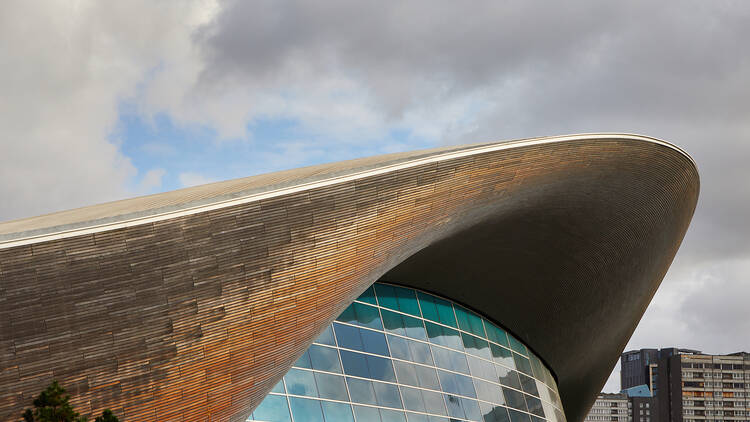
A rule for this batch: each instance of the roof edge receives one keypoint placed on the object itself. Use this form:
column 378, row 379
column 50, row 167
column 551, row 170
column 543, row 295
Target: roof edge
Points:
column 54, row 232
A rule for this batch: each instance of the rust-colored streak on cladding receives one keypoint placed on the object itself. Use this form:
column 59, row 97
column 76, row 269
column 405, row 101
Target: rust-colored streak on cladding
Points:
column 197, row 317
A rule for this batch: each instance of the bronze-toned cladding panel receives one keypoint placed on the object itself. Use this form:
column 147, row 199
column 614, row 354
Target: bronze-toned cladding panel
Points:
column 197, row 317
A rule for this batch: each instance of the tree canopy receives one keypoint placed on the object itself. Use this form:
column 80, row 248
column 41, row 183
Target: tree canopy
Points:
column 53, row 405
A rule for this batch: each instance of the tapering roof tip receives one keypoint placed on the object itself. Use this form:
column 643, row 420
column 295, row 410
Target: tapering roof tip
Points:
column 191, row 200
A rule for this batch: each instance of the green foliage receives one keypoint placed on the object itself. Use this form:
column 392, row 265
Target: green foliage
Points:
column 107, row 416
column 53, row 405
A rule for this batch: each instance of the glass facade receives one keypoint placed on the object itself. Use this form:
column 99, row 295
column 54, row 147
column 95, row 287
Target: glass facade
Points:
column 397, row 354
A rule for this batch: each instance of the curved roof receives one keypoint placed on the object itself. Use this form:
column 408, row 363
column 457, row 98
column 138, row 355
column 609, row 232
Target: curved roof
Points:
column 562, row 240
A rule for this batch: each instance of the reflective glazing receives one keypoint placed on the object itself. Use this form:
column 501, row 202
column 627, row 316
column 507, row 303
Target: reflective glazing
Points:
column 398, row 354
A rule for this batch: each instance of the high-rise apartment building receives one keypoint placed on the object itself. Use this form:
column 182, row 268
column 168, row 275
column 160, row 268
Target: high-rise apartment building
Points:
column 610, row 408
column 640, row 367
column 634, row 367
column 711, row 388
column 640, row 405
column 689, row 386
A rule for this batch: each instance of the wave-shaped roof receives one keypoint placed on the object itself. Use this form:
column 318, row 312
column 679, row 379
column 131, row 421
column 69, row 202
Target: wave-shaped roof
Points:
column 562, row 240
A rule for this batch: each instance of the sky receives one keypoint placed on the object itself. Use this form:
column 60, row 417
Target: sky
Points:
column 104, row 101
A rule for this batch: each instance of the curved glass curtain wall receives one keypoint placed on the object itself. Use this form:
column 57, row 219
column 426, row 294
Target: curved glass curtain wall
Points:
column 398, row 355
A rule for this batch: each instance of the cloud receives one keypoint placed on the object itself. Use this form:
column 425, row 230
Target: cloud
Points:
column 64, row 69
column 349, row 74
column 193, row 179
column 152, row 180
column 157, row 149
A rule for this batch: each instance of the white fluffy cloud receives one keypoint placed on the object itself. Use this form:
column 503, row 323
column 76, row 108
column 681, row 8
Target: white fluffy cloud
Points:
column 64, row 68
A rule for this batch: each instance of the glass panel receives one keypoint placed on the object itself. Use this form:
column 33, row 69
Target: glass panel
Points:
column 536, row 366
column 434, row 402
column 549, row 412
column 514, row 399
column 306, row 409
column 324, row 358
column 522, row 364
column 300, row 383
column 427, row 377
column 393, row 322
column 416, row 417
column 355, row 364
column 386, row 296
column 348, row 337
column 331, row 387
column 374, row 342
column 273, row 409
column 366, row 414
column 399, row 347
column 387, row 415
column 469, row 321
column 348, row 315
column 489, row 392
column 508, row 377
column 517, row 346
column 453, row 403
column 412, row 399
column 502, row 356
column 465, row 386
column 471, row 409
column 368, row 316
column 303, row 361
column 456, row 384
column 528, row 385
column 495, row 333
column 482, row 369
column 436, row 309
column 361, row 391
column 278, row 388
column 368, row 296
column 414, row 328
column 448, row 359
column 543, row 391
column 335, row 412
column 403, row 325
column 420, row 352
column 516, row 416
column 550, row 380
column 555, row 398
column 444, row 336
column 535, row 405
column 387, row 395
column 406, row 373
column 381, row 369
column 414, row 351
column 361, row 314
column 494, row 413
column 407, row 301
column 326, row 337
column 476, row 346
column 397, row 298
